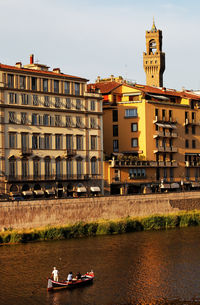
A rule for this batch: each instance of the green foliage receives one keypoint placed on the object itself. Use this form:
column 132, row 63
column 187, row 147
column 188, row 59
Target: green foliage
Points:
column 82, row 229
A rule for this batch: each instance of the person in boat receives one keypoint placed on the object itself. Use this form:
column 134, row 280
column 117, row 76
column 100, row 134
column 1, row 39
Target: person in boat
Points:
column 78, row 276
column 55, row 274
column 70, row 277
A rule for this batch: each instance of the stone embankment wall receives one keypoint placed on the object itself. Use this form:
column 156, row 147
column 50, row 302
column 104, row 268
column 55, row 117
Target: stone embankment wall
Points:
column 38, row 214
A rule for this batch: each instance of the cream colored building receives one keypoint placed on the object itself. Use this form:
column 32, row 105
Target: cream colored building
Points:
column 51, row 132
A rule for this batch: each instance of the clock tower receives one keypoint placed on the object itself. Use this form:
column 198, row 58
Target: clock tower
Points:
column 154, row 58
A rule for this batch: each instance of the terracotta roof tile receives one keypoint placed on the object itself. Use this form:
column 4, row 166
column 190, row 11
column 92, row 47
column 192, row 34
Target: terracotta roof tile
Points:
column 50, row 73
column 105, row 87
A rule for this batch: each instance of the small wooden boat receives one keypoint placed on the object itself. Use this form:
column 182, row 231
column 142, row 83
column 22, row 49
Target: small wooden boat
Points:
column 84, row 280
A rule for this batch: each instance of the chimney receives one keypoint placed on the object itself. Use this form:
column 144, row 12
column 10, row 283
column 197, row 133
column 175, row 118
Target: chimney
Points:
column 56, row 70
column 98, row 79
column 31, row 59
column 18, row 64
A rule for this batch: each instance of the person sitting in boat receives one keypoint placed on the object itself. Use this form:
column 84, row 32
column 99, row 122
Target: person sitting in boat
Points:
column 70, row 277
column 55, row 274
column 78, row 276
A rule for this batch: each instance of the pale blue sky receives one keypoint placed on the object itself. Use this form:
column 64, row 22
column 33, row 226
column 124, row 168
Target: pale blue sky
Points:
column 91, row 37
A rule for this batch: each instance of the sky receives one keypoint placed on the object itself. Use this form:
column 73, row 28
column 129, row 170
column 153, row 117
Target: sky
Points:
column 90, row 38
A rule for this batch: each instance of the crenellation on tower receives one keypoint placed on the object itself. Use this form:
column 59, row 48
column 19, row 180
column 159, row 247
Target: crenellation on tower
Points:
column 154, row 58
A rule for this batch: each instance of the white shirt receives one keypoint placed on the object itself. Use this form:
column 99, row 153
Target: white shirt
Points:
column 55, row 273
column 69, row 277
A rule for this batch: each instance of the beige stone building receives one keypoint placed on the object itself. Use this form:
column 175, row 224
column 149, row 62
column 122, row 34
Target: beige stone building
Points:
column 51, row 132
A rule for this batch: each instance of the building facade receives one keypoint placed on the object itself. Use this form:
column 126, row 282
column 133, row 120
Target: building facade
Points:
column 151, row 137
column 154, row 58
column 51, row 132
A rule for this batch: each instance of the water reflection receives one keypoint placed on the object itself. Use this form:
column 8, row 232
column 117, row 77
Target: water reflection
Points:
column 140, row 268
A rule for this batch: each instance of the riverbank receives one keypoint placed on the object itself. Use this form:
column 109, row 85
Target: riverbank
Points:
column 81, row 229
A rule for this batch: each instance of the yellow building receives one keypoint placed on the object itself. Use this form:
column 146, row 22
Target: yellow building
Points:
column 51, row 132
column 151, row 137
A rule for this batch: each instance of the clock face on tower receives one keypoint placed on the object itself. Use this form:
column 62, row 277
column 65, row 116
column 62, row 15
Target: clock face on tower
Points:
column 152, row 46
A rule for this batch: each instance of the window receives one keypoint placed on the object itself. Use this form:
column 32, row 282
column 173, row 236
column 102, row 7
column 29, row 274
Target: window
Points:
column 46, row 101
column 36, row 170
column 12, row 140
column 187, row 173
column 34, row 119
column 92, row 105
column 93, row 140
column 10, row 81
column 193, row 129
column 193, row 144
column 47, row 168
column 171, row 173
column 58, row 141
column 68, row 103
column 45, row 85
column 186, row 129
column 12, row 98
column 56, row 86
column 165, row 173
column 93, row 166
column 69, row 141
column 57, row 120
column 24, row 141
column 12, row 117
column 186, row 115
column 69, row 122
column 69, row 167
column 134, row 142
column 24, row 168
column 35, row 100
column 78, row 104
column 24, row 118
column 193, row 116
column 77, row 89
column 93, row 123
column 134, row 127
column 58, row 168
column 79, row 142
column 79, row 167
column 186, row 143
column 170, row 114
column 35, row 144
column 46, row 120
column 115, row 145
column 79, row 123
column 131, row 113
column 115, row 130
column 12, row 167
column 22, row 82
column 57, row 102
column 156, row 112
column 24, row 99
column 34, row 83
column 67, row 87
column 137, row 173
column 115, row 115
column 47, row 141
column 163, row 114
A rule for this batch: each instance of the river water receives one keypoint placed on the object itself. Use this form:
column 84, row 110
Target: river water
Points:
column 160, row 267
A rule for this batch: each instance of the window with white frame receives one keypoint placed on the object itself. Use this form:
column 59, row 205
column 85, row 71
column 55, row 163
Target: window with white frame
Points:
column 93, row 123
column 92, row 105
column 131, row 113
column 134, row 142
column 12, row 98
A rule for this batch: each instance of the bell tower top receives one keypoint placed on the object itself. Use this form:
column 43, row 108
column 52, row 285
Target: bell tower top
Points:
column 154, row 58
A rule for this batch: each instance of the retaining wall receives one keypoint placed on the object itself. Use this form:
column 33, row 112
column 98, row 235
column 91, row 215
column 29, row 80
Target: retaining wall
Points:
column 37, row 214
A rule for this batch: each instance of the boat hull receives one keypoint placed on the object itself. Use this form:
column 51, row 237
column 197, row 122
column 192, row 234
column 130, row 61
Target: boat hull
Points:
column 86, row 279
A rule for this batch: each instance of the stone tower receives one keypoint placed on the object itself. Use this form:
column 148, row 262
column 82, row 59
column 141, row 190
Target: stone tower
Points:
column 154, row 58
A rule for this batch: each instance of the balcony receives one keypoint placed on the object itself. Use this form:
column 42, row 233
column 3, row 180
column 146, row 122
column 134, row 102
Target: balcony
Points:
column 169, row 149
column 164, row 120
column 21, row 178
column 26, row 151
column 133, row 177
column 192, row 164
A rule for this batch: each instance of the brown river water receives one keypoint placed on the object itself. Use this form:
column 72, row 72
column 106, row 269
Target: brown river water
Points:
column 160, row 267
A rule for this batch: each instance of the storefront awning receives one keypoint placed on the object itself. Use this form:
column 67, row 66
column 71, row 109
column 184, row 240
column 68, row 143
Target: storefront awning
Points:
column 81, row 189
column 95, row 189
column 175, row 185
column 50, row 192
column 39, row 192
column 27, row 193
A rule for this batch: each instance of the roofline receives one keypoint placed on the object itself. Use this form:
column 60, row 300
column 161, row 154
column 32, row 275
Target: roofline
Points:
column 40, row 72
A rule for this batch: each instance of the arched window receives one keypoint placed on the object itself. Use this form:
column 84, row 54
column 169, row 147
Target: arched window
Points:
column 93, row 166
column 47, row 167
column 58, row 168
column 69, row 168
column 12, row 167
column 152, row 46
column 24, row 164
column 79, row 167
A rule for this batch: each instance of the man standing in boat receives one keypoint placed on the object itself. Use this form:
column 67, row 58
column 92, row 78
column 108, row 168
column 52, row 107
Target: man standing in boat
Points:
column 55, row 274
column 70, row 277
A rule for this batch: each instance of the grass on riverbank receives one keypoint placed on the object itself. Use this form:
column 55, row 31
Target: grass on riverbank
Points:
column 102, row 228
